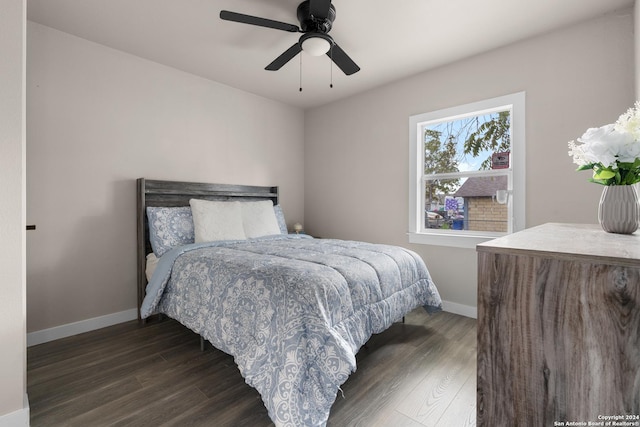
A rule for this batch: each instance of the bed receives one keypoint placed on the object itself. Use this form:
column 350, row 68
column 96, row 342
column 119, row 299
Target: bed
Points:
column 292, row 310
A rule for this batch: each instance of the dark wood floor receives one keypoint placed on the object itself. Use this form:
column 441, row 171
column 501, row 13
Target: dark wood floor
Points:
column 420, row 373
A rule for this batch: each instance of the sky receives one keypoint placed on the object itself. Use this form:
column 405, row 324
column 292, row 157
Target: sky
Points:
column 460, row 129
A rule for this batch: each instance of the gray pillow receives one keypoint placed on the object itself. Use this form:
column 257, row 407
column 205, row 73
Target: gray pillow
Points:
column 169, row 227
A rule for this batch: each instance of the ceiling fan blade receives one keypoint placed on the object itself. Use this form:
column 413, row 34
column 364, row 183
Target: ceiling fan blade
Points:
column 254, row 20
column 319, row 8
column 342, row 60
column 287, row 56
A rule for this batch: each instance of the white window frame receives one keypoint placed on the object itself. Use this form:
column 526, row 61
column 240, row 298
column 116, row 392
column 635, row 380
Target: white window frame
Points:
column 517, row 197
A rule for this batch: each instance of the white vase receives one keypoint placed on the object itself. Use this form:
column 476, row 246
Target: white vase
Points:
column 619, row 210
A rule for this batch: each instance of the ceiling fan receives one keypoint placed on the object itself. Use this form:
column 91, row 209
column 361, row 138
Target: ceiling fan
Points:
column 316, row 19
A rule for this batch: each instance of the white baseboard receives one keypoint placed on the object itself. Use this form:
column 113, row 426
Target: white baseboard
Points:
column 462, row 310
column 19, row 418
column 75, row 328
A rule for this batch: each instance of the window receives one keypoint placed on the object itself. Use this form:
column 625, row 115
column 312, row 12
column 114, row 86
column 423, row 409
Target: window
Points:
column 467, row 172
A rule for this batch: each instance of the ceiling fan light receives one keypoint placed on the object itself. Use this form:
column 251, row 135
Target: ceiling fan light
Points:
column 316, row 46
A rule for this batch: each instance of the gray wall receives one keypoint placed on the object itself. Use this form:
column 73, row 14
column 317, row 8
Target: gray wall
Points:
column 356, row 150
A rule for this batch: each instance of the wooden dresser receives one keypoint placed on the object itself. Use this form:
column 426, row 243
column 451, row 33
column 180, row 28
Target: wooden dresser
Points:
column 559, row 327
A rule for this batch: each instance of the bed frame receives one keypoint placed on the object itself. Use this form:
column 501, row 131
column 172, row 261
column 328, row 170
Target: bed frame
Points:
column 177, row 193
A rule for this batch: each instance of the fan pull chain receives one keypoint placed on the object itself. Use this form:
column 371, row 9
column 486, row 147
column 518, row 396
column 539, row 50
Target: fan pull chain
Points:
column 331, row 67
column 300, row 71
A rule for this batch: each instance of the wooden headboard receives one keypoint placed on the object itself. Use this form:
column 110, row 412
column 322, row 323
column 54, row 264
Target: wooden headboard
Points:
column 177, row 193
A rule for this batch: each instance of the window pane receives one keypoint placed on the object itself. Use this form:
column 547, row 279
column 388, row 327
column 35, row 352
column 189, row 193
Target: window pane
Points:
column 469, row 205
column 466, row 144
column 472, row 143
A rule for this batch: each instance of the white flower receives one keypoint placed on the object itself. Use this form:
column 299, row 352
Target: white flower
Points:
column 576, row 151
column 629, row 122
column 601, row 145
column 629, row 152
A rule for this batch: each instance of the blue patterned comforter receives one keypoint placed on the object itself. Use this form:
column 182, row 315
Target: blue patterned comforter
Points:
column 292, row 311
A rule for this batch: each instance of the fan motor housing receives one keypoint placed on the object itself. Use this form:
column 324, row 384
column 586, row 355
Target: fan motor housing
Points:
column 309, row 23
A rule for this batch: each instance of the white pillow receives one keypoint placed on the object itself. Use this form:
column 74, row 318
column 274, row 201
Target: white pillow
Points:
column 259, row 219
column 213, row 220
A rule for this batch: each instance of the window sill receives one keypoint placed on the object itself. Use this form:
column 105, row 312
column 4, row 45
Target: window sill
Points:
column 451, row 239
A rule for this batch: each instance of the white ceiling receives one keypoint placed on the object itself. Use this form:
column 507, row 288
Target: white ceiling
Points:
column 388, row 40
